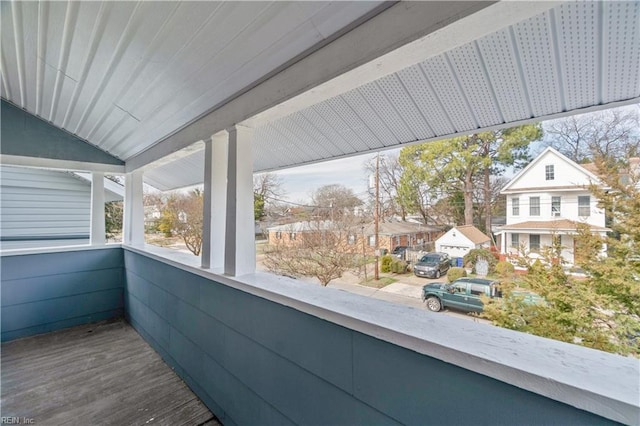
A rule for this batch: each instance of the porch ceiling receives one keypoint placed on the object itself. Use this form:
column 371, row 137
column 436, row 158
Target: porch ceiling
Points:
column 142, row 79
column 570, row 58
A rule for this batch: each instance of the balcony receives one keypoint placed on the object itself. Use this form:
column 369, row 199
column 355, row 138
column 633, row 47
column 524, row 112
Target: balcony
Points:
column 264, row 349
column 134, row 91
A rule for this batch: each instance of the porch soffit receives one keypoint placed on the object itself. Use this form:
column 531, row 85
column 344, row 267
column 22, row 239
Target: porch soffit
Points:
column 573, row 58
column 123, row 83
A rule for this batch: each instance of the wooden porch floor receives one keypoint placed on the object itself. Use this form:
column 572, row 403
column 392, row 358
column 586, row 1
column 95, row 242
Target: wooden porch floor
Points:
column 97, row 374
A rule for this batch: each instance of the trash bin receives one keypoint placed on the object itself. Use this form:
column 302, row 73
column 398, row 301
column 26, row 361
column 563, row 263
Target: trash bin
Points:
column 459, row 262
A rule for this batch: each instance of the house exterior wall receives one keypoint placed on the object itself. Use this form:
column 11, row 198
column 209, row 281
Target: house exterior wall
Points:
column 524, row 239
column 569, row 185
column 47, row 292
column 256, row 361
column 565, row 173
column 43, row 204
column 454, row 243
column 387, row 242
column 569, row 207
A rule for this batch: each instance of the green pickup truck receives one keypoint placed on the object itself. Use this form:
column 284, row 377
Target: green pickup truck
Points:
column 464, row 294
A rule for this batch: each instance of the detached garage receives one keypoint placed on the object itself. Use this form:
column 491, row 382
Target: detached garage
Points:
column 459, row 240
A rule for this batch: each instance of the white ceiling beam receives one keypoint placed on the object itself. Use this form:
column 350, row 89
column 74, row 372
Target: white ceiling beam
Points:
column 361, row 55
column 50, row 163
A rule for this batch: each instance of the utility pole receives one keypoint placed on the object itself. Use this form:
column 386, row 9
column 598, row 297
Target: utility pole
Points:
column 376, row 217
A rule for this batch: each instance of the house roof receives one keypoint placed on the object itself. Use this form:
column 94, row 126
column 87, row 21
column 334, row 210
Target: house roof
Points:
column 384, row 228
column 634, row 166
column 552, row 225
column 399, row 228
column 475, row 235
column 303, row 226
column 316, row 80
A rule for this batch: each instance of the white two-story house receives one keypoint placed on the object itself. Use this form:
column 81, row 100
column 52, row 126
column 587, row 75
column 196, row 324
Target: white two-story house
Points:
column 546, row 200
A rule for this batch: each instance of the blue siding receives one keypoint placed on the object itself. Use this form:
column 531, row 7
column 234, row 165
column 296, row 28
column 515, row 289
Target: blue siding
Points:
column 253, row 361
column 47, row 292
column 23, row 134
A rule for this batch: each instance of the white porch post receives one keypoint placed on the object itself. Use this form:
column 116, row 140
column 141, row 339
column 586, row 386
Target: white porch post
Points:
column 215, row 200
column 240, row 249
column 97, row 233
column 133, row 209
column 503, row 242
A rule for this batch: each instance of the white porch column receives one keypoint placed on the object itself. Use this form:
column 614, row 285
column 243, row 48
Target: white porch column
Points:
column 503, row 242
column 215, row 200
column 97, row 234
column 133, row 209
column 240, row 248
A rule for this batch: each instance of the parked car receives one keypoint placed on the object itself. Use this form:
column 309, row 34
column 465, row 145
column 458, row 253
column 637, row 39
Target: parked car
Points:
column 399, row 251
column 465, row 294
column 432, row 265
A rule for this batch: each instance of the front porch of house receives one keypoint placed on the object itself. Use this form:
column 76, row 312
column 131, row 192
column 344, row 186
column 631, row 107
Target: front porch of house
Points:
column 270, row 350
column 98, row 373
column 137, row 89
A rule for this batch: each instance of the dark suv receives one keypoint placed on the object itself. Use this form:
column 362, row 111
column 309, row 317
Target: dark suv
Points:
column 465, row 294
column 432, row 265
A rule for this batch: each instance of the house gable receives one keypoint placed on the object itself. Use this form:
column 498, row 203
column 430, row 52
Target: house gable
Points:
column 550, row 170
column 454, row 237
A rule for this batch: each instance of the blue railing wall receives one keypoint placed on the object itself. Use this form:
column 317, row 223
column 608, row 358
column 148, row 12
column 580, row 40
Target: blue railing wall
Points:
column 50, row 291
column 254, row 361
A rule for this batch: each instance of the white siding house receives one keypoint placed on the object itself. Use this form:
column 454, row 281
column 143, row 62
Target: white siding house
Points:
column 549, row 198
column 458, row 241
column 39, row 205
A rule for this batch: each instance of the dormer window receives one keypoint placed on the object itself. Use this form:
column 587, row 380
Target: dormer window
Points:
column 549, row 172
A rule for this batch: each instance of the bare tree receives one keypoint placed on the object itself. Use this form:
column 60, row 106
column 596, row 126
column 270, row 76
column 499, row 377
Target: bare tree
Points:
column 267, row 190
column 389, row 175
column 334, row 201
column 323, row 249
column 613, row 133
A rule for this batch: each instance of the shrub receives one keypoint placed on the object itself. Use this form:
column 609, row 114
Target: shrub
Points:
column 455, row 273
column 399, row 266
column 505, row 269
column 475, row 254
column 386, row 264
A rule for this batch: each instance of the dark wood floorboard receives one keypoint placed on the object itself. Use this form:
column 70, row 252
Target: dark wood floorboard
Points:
column 98, row 374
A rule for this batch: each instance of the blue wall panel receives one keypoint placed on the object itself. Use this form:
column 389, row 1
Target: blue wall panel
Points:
column 50, row 291
column 253, row 361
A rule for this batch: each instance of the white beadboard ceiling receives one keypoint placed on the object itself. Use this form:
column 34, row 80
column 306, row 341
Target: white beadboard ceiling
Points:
column 125, row 75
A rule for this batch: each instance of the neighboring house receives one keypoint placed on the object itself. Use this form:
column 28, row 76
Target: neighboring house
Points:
column 46, row 207
column 547, row 199
column 459, row 240
column 390, row 234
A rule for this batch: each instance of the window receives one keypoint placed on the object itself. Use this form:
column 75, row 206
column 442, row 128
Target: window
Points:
column 351, row 239
column 534, row 206
column 515, row 206
column 292, row 235
column 372, row 240
column 555, row 206
column 534, row 243
column 557, row 240
column 479, row 290
column 515, row 240
column 549, row 173
column 584, row 205
column 278, row 235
